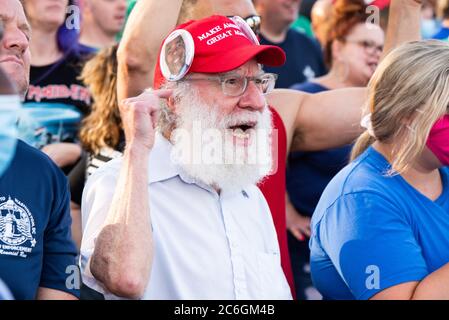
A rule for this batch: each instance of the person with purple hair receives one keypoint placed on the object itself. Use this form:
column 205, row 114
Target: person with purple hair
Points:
column 56, row 62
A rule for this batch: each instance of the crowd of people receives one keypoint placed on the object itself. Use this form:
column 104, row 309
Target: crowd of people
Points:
column 207, row 149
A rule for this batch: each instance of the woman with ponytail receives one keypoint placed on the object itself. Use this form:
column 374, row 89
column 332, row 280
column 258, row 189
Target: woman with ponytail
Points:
column 352, row 51
column 380, row 228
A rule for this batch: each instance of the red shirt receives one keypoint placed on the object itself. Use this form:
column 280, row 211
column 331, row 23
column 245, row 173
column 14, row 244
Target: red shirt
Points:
column 273, row 187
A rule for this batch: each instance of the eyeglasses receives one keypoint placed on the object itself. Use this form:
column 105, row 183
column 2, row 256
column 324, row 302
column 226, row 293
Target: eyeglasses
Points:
column 235, row 85
column 369, row 46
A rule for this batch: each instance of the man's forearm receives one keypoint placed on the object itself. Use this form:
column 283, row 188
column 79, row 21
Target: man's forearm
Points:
column 148, row 24
column 403, row 23
column 123, row 250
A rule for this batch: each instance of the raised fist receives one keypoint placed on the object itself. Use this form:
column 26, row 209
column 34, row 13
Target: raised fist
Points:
column 139, row 117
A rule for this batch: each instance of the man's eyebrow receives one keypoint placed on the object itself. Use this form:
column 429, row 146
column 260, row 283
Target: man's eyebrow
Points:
column 24, row 26
column 236, row 72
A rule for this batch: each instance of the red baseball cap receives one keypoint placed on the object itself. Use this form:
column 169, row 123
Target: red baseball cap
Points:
column 213, row 45
column 381, row 4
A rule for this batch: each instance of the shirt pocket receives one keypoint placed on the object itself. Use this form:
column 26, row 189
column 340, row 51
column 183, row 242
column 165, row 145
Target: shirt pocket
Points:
column 272, row 281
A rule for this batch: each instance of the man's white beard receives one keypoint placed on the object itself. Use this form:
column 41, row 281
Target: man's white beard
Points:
column 231, row 169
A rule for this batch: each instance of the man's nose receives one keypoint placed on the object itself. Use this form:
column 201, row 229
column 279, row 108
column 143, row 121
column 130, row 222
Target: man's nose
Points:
column 252, row 98
column 123, row 4
column 14, row 39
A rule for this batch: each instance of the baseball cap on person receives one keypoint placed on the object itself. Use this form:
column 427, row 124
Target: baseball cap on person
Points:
column 212, row 45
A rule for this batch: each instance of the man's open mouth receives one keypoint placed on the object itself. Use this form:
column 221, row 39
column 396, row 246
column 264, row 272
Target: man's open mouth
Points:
column 242, row 130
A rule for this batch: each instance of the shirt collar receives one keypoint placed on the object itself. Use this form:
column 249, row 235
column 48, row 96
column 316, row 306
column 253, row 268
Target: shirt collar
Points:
column 161, row 167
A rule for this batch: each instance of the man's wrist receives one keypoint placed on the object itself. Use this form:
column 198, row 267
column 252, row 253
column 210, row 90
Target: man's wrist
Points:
column 138, row 149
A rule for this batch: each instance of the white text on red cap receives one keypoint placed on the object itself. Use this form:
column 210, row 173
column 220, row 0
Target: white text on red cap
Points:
column 221, row 36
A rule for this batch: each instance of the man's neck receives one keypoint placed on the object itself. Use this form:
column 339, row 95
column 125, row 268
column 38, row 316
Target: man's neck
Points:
column 93, row 36
column 44, row 47
column 274, row 31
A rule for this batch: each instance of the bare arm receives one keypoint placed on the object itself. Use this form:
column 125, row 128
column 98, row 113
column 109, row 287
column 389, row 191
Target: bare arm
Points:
column 319, row 121
column 123, row 250
column 63, row 153
column 403, row 23
column 297, row 224
column 433, row 287
column 149, row 23
column 52, row 294
column 123, row 253
column 330, row 119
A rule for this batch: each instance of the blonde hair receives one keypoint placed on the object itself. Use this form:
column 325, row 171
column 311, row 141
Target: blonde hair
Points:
column 407, row 94
column 102, row 127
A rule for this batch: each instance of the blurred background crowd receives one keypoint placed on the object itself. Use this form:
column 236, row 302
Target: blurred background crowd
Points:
column 71, row 109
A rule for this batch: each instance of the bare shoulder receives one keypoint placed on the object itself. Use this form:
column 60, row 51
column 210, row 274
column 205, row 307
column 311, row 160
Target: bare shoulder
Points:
column 287, row 102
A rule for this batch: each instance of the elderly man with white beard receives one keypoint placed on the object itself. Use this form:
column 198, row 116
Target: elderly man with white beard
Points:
column 211, row 232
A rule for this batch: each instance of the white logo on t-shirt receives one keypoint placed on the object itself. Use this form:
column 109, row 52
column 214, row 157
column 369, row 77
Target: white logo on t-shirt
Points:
column 308, row 73
column 16, row 228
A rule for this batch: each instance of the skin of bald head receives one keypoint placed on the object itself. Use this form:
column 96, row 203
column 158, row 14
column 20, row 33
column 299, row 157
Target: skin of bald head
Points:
column 15, row 53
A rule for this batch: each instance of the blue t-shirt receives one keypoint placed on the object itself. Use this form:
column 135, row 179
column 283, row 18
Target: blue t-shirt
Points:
column 5, row 294
column 371, row 231
column 442, row 34
column 304, row 59
column 36, row 248
column 308, row 173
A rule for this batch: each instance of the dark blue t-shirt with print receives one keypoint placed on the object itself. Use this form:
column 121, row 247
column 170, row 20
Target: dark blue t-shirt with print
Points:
column 36, row 248
column 304, row 59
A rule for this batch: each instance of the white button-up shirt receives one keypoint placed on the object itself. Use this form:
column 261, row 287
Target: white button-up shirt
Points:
column 206, row 245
